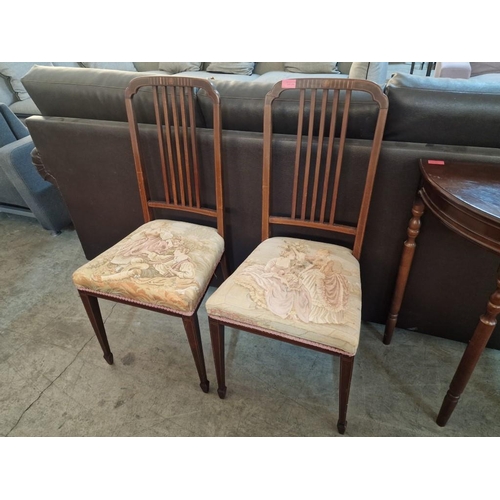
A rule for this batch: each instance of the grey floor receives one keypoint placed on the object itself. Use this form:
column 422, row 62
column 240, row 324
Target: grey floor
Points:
column 54, row 381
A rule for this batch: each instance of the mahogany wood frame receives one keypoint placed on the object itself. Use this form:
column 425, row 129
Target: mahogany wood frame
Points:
column 176, row 133
column 319, row 199
column 464, row 197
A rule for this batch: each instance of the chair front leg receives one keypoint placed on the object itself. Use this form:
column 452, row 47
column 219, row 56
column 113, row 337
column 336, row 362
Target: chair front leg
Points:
column 346, row 366
column 94, row 313
column 192, row 327
column 217, row 337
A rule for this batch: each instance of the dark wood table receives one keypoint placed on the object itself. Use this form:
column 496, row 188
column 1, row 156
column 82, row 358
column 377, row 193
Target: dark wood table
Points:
column 465, row 197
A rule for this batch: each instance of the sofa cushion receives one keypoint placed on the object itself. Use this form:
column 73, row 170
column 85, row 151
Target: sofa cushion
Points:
column 482, row 68
column 234, row 68
column 179, row 67
column 276, row 76
column 218, row 76
column 14, row 71
column 242, row 108
column 452, row 111
column 311, row 67
column 24, row 108
column 6, row 93
column 121, row 66
column 80, row 93
column 67, row 64
column 373, row 71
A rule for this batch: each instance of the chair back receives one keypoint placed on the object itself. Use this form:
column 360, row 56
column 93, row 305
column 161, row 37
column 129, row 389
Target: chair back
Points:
column 173, row 100
column 319, row 158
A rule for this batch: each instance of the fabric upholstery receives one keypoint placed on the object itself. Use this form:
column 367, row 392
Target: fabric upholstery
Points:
column 373, row 71
column 67, row 64
column 14, row 71
column 276, row 76
column 24, row 108
column 179, row 67
column 482, row 68
column 297, row 288
column 120, row 66
column 163, row 263
column 234, row 68
column 6, row 94
column 219, row 76
column 20, row 183
column 311, row 67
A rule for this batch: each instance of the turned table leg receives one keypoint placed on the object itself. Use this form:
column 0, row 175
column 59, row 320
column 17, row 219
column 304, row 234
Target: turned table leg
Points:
column 404, row 268
column 471, row 356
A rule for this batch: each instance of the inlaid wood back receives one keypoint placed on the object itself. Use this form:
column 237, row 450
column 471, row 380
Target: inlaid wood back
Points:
column 319, row 157
column 173, row 100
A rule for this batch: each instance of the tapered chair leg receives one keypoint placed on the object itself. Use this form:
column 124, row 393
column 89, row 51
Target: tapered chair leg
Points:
column 94, row 313
column 192, row 328
column 224, row 267
column 346, row 366
column 217, row 337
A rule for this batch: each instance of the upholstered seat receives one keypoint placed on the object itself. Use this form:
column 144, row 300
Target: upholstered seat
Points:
column 163, row 263
column 295, row 288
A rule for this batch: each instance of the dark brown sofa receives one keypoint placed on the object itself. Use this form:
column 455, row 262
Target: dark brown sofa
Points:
column 83, row 141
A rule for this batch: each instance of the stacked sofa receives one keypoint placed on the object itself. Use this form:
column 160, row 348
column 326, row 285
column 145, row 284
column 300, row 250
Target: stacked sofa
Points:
column 14, row 95
column 83, row 141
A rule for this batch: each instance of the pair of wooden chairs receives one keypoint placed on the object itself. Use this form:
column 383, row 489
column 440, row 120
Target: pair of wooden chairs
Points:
column 299, row 291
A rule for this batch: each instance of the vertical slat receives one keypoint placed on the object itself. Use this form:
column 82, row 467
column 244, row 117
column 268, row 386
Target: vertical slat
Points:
column 329, row 154
column 185, row 140
column 297, row 154
column 319, row 151
column 178, row 151
column 194, row 149
column 168, row 135
column 161, row 140
column 175, row 115
column 370, row 179
column 141, row 179
column 338, row 168
column 310, row 131
column 219, row 190
column 266, row 171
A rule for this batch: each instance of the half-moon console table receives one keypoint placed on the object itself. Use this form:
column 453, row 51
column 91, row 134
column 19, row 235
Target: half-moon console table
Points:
column 465, row 197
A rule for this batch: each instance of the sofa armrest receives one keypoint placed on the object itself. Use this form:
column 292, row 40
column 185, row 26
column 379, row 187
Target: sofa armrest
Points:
column 452, row 70
column 42, row 198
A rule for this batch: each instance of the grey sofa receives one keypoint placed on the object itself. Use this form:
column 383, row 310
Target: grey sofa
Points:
column 14, row 95
column 22, row 190
column 428, row 118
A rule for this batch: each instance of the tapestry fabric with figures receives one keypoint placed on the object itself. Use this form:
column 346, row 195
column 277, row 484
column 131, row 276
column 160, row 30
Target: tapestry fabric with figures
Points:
column 164, row 263
column 296, row 288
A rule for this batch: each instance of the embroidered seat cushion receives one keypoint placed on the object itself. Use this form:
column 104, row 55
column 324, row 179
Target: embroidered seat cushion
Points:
column 163, row 263
column 297, row 289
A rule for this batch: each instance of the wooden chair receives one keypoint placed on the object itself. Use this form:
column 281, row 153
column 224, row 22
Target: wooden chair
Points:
column 296, row 290
column 164, row 265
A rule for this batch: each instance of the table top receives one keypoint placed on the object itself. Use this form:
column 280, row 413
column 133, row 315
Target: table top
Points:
column 466, row 197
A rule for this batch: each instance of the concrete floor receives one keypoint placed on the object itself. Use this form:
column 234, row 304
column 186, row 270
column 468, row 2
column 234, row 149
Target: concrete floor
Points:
column 54, row 381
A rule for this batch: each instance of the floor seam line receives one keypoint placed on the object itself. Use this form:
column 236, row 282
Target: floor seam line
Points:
column 50, row 385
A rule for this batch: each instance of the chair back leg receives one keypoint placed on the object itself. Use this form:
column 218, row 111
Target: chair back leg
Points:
column 346, row 366
column 217, row 337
